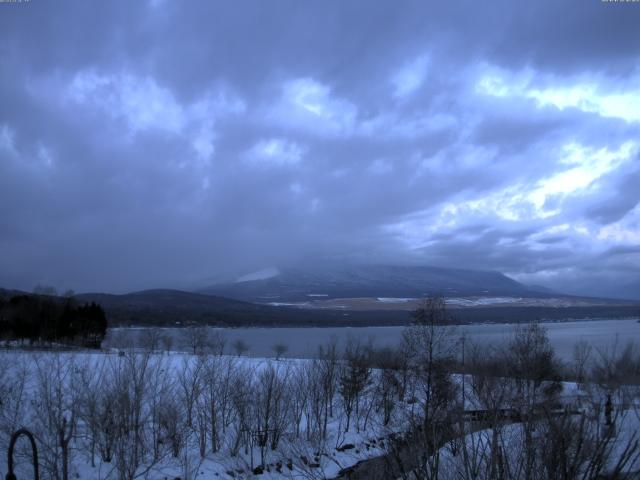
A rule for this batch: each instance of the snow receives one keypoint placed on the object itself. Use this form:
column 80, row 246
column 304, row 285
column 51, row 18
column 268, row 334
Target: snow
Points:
column 555, row 302
column 328, row 454
column 394, row 300
column 263, row 274
column 481, row 301
column 288, row 304
column 511, row 440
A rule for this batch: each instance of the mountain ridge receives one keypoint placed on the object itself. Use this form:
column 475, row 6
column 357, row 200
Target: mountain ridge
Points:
column 296, row 284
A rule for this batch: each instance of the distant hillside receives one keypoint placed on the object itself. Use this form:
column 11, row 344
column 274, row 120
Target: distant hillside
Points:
column 628, row 290
column 166, row 299
column 6, row 294
column 175, row 308
column 178, row 308
column 290, row 285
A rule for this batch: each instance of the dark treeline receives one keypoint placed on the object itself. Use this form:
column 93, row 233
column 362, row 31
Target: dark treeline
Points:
column 48, row 319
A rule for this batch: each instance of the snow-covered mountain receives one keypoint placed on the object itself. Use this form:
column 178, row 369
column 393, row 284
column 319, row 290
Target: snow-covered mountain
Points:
column 345, row 281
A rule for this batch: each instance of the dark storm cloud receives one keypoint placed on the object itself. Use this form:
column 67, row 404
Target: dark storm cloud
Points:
column 159, row 144
column 622, row 194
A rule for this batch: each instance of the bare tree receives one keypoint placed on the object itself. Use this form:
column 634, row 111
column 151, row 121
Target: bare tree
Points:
column 190, row 462
column 160, row 387
column 151, row 339
column 530, row 359
column 279, row 349
column 241, row 398
column 167, row 342
column 189, row 377
column 354, row 377
column 217, row 342
column 91, row 378
column 271, row 407
column 130, row 416
column 386, row 388
column 299, row 392
column 240, row 347
column 218, row 381
column 172, row 425
column 317, row 409
column 197, row 338
column 582, row 355
column 56, row 414
column 14, row 380
column 431, row 345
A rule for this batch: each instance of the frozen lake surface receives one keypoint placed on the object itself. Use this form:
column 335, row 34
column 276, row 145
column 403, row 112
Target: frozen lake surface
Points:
column 304, row 342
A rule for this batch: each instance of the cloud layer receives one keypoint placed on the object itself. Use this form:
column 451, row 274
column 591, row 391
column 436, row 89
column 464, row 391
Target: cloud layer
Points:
column 152, row 143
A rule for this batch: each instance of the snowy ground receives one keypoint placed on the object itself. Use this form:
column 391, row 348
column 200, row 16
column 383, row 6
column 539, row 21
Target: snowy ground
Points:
column 454, row 463
column 295, row 457
column 44, row 392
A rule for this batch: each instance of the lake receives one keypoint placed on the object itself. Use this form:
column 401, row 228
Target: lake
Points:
column 304, row 342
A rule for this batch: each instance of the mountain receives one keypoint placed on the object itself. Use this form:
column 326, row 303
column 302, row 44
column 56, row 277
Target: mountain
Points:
column 175, row 307
column 542, row 289
column 166, row 307
column 295, row 284
column 611, row 289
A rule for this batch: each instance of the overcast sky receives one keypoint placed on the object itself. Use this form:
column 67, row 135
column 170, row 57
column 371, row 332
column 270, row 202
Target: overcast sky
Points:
column 165, row 143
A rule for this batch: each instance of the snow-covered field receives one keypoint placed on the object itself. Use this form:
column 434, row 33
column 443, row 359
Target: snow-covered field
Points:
column 183, row 405
column 174, row 415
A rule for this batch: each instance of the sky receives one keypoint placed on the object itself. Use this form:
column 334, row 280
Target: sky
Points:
column 169, row 144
